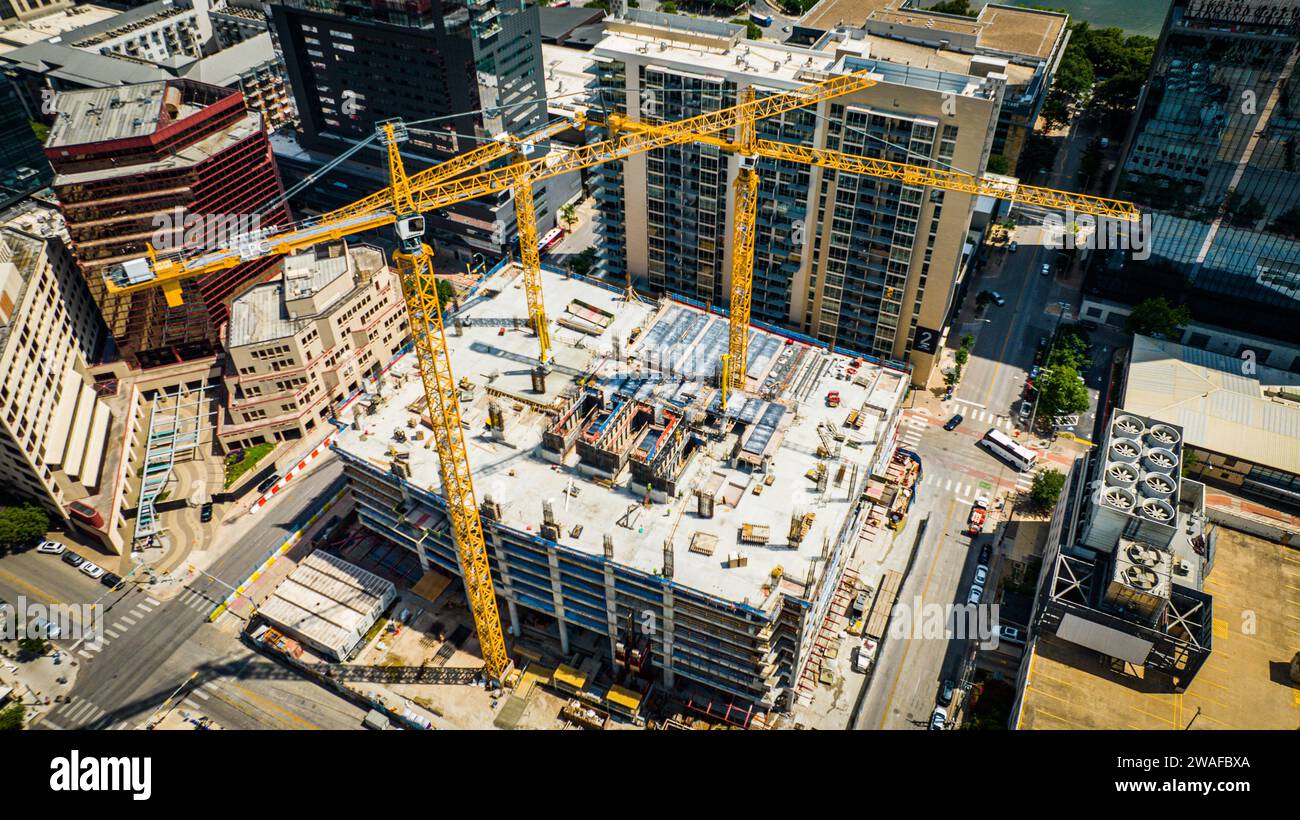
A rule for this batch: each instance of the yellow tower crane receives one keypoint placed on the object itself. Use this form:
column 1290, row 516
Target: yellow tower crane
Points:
column 402, row 204
column 408, row 197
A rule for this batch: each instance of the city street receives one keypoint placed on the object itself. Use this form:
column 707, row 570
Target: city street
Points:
column 909, row 672
column 152, row 646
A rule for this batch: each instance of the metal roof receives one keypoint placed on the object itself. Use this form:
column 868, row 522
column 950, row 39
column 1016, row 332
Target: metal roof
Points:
column 1219, row 407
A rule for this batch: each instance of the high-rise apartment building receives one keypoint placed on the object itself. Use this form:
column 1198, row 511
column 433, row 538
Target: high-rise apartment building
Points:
column 866, row 264
column 1212, row 157
column 176, row 164
column 1029, row 42
column 54, row 428
column 472, row 66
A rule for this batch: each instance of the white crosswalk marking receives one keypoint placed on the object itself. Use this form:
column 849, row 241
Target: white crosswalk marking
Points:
column 129, row 619
column 199, row 693
column 83, row 653
column 151, row 601
column 110, row 633
column 121, row 726
column 121, row 627
column 140, row 610
column 51, row 725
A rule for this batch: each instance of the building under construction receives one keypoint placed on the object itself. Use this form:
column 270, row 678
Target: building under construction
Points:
column 623, row 494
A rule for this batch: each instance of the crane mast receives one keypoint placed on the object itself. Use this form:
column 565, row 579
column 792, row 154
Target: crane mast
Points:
column 736, row 366
column 419, row 288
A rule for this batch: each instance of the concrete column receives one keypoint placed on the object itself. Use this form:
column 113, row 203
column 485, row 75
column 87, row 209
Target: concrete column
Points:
column 667, row 627
column 611, row 608
column 492, row 539
column 553, row 561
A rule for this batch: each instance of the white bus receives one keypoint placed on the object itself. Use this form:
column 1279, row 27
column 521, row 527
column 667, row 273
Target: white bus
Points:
column 1003, row 446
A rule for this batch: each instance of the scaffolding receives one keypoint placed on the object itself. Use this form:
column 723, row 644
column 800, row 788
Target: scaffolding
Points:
column 171, row 430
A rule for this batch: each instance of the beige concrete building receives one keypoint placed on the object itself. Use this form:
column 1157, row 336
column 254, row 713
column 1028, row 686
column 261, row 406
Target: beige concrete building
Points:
column 306, row 340
column 864, row 264
column 53, row 426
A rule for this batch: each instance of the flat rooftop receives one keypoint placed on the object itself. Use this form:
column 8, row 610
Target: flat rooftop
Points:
column 104, row 114
column 1219, row 408
column 1008, row 29
column 1243, row 685
column 670, row 364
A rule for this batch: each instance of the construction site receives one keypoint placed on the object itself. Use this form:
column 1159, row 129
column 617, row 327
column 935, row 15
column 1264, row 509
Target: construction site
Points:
column 692, row 489
column 619, row 497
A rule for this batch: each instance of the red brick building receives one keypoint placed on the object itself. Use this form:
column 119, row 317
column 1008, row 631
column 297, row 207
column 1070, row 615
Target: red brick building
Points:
column 177, row 163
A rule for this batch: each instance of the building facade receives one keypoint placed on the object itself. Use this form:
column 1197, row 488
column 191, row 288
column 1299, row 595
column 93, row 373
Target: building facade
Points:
column 172, row 164
column 53, row 426
column 23, row 166
column 300, row 344
column 1211, row 155
column 475, row 67
column 857, row 262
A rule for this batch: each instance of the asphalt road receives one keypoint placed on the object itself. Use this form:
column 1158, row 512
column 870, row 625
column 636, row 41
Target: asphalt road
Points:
column 152, row 647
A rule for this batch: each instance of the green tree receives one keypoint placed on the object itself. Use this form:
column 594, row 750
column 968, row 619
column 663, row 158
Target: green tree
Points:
column 22, row 523
column 753, row 31
column 569, row 216
column 1070, row 349
column 1046, row 488
column 583, row 262
column 446, row 292
column 668, row 8
column 998, row 164
column 1060, row 392
column 983, row 299
column 961, row 7
column 32, row 646
column 962, row 355
column 1157, row 316
column 968, row 341
column 11, row 719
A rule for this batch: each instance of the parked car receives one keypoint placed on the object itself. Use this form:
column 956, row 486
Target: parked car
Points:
column 51, row 548
column 73, row 559
column 1013, row 247
column 1033, row 372
column 975, row 594
column 946, row 692
column 268, row 483
column 205, row 512
column 93, row 570
column 110, row 580
column 952, row 423
column 998, row 299
column 986, row 554
column 1026, row 408
column 939, row 718
column 1011, row 635
column 981, row 575
column 1047, row 269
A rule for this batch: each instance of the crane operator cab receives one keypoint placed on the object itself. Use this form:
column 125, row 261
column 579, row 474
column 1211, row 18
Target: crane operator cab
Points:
column 410, row 230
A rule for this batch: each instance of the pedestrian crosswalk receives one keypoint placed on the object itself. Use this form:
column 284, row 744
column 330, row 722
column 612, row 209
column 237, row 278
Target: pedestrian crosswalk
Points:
column 126, row 618
column 965, row 491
